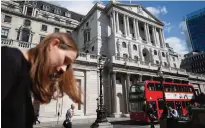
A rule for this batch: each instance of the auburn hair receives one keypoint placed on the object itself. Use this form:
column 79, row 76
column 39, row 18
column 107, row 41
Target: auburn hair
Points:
column 44, row 88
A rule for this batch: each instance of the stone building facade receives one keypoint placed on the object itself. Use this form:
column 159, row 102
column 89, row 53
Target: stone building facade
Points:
column 129, row 37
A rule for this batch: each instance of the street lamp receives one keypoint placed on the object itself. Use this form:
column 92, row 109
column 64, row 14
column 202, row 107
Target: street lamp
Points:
column 160, row 74
column 101, row 110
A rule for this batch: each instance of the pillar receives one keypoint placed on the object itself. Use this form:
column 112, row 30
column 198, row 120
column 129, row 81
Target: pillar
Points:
column 145, row 32
column 114, row 21
column 117, row 18
column 139, row 78
column 154, row 35
column 128, row 26
column 135, row 29
column 127, row 91
column 149, row 40
column 124, row 22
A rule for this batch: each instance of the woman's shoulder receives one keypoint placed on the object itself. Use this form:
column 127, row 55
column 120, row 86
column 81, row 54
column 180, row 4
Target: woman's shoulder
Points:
column 11, row 55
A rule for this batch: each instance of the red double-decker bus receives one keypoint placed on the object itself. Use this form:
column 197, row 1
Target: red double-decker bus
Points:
column 178, row 96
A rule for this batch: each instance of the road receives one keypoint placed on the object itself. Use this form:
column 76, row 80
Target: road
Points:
column 116, row 124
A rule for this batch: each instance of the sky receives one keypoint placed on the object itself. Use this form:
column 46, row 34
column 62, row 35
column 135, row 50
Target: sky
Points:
column 171, row 13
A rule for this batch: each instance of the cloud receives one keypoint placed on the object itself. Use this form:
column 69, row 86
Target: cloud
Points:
column 157, row 11
column 81, row 7
column 177, row 44
column 182, row 25
column 168, row 27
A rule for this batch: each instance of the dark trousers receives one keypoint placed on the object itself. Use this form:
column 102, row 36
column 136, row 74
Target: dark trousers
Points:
column 69, row 125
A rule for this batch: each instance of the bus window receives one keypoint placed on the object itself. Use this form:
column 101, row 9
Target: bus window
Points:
column 160, row 103
column 180, row 89
column 167, row 87
column 158, row 87
column 151, row 86
column 183, row 104
column 170, row 104
column 190, row 89
column 175, row 88
column 185, row 88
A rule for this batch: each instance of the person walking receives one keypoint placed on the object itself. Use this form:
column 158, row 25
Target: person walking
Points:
column 39, row 73
column 69, row 117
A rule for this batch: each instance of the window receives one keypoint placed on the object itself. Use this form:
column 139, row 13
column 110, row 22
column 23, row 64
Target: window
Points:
column 4, row 33
column 124, row 45
column 7, row 19
column 175, row 65
column 135, row 47
column 44, row 28
column 155, row 52
column 87, row 24
column 42, row 37
column 163, row 54
column 158, row 87
column 57, row 19
column 161, row 104
column 67, row 14
column 157, row 62
column 173, row 58
column 93, row 48
column 29, row 11
column 57, row 11
column 165, row 64
column 136, row 58
column 125, row 56
column 27, row 23
column 25, row 35
column 151, row 87
column 57, row 30
column 167, row 88
column 46, row 8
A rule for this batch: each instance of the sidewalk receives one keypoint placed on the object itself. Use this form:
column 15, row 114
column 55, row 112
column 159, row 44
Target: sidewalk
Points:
column 79, row 121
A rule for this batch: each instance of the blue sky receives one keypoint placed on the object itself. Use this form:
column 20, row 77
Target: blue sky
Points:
column 169, row 12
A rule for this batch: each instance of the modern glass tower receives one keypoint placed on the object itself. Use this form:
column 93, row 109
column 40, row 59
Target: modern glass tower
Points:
column 195, row 23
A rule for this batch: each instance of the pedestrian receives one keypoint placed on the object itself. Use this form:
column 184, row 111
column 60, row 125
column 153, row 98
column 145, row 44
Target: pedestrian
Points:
column 173, row 113
column 36, row 117
column 150, row 113
column 69, row 117
column 39, row 72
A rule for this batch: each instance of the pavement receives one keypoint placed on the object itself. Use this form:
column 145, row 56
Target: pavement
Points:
column 122, row 122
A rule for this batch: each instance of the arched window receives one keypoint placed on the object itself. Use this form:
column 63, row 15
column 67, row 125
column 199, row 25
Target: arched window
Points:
column 135, row 47
column 163, row 54
column 157, row 62
column 136, row 58
column 155, row 52
column 165, row 64
column 125, row 56
column 124, row 45
column 27, row 22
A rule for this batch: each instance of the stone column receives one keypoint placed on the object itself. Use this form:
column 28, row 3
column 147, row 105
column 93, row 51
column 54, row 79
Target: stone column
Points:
column 145, row 32
column 168, row 59
column 154, row 35
column 163, row 41
column 151, row 58
column 128, row 26
column 135, row 29
column 117, row 22
column 139, row 78
column 130, row 49
column 161, row 38
column 140, row 52
column 114, row 21
column 160, row 55
column 125, row 28
column 24, row 9
column 115, row 110
column 148, row 33
column 112, row 26
column 124, row 94
column 127, row 91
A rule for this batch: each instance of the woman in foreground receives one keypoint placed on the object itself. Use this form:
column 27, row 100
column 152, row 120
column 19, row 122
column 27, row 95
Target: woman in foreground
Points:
column 39, row 73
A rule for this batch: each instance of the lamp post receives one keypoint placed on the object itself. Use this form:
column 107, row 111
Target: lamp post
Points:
column 165, row 109
column 101, row 110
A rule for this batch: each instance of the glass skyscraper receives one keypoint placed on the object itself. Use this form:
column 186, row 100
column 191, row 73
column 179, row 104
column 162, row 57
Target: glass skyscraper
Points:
column 195, row 23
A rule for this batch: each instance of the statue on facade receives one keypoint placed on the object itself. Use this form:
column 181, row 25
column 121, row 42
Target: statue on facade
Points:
column 118, row 47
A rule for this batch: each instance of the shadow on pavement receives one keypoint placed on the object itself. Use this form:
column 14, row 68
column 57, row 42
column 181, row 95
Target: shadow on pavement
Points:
column 129, row 122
